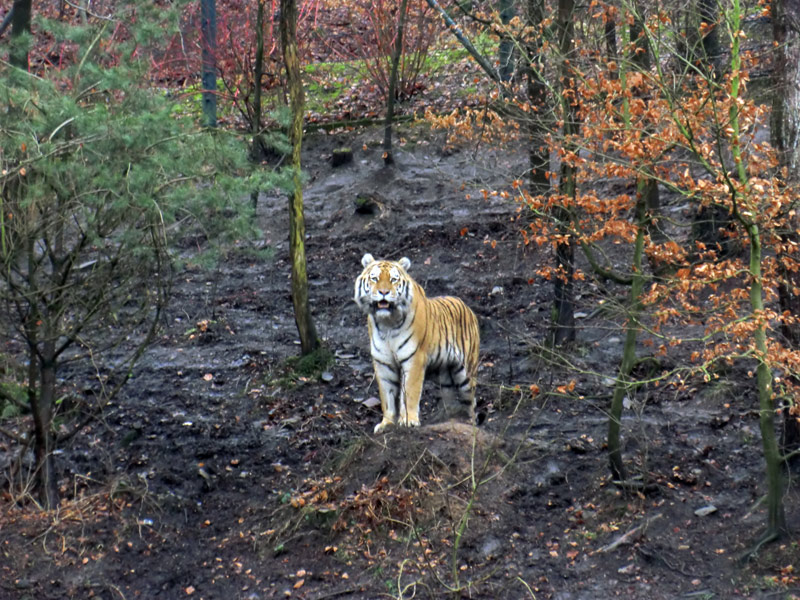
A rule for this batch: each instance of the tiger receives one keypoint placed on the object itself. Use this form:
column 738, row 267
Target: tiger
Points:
column 412, row 336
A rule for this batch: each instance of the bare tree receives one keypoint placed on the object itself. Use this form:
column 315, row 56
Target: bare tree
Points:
column 397, row 54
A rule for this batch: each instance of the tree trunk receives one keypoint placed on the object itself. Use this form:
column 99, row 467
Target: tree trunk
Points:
column 257, row 144
column 20, row 30
column 397, row 54
column 776, row 519
column 505, row 52
column 537, row 126
column 44, row 441
column 648, row 188
column 709, row 14
column 785, row 136
column 208, row 17
column 41, row 396
column 563, row 316
column 623, row 384
column 610, row 37
column 785, row 131
column 297, row 226
column 258, row 77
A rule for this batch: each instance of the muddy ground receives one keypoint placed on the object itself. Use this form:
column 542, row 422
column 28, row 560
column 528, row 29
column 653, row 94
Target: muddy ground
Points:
column 222, row 472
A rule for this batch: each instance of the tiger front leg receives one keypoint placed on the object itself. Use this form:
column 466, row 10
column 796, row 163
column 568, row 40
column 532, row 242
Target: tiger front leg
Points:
column 389, row 391
column 413, row 376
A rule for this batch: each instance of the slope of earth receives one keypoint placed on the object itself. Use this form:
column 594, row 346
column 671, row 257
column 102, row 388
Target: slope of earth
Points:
column 224, row 473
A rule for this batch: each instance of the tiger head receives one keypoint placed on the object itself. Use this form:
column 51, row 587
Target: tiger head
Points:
column 384, row 289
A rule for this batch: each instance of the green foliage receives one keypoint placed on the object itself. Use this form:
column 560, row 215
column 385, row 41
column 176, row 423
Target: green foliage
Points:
column 326, row 82
column 11, row 408
column 92, row 140
column 306, row 367
column 99, row 178
column 312, row 364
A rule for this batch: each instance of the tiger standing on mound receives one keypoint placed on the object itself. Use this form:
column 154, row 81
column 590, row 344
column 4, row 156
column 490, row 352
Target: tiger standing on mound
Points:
column 412, row 335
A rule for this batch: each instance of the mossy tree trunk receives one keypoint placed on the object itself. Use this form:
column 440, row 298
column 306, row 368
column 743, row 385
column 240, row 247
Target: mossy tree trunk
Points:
column 636, row 50
column 297, row 225
column 776, row 520
column 623, row 384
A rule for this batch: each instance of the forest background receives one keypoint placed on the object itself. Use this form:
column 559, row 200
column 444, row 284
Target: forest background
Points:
column 661, row 182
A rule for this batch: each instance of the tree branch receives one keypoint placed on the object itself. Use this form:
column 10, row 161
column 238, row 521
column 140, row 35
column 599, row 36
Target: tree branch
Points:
column 601, row 270
column 456, row 31
column 7, row 21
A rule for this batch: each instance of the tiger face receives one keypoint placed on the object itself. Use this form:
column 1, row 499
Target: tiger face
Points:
column 383, row 290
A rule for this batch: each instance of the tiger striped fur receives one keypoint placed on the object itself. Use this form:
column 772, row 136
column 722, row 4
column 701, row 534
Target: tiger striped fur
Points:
column 412, row 336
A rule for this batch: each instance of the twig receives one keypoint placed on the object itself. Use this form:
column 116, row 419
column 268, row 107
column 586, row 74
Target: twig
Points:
column 85, row 10
column 7, row 21
column 342, row 592
column 10, row 434
column 630, row 535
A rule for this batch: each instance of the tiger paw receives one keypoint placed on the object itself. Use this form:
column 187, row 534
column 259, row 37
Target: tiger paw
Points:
column 383, row 425
column 410, row 421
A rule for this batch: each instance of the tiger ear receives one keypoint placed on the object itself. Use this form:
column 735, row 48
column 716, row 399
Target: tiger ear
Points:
column 367, row 259
column 404, row 262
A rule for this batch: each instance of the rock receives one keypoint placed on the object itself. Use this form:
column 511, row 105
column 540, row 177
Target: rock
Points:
column 705, row 510
column 371, row 402
column 490, row 547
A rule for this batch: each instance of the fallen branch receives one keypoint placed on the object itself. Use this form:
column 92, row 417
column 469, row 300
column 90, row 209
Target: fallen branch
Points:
column 629, row 536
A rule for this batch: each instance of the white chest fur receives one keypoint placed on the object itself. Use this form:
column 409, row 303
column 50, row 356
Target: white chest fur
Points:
column 392, row 346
